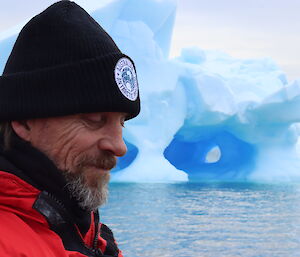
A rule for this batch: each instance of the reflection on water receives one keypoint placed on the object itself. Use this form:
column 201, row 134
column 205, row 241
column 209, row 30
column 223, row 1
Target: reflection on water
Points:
column 193, row 220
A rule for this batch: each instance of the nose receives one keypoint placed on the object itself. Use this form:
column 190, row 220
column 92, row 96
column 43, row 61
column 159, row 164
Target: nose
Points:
column 113, row 141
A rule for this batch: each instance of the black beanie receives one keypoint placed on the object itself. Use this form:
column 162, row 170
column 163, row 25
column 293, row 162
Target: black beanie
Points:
column 62, row 63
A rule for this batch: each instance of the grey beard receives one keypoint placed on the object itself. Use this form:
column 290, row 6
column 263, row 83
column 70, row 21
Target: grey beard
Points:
column 89, row 198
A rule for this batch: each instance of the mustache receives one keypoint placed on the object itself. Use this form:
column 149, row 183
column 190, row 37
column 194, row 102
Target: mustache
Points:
column 106, row 161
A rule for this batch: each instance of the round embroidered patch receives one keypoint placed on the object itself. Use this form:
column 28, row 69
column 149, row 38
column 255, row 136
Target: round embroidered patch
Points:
column 126, row 79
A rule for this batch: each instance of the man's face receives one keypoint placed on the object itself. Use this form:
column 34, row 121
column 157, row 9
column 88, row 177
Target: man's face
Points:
column 84, row 147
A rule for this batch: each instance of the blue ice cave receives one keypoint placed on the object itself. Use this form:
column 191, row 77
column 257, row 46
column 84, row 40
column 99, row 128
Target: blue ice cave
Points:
column 210, row 153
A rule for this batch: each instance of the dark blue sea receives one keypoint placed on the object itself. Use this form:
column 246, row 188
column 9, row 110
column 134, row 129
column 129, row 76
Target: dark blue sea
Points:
column 198, row 219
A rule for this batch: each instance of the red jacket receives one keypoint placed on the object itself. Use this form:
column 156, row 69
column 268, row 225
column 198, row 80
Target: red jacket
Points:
column 25, row 230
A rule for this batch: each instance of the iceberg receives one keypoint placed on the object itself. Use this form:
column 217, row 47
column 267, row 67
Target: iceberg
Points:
column 206, row 116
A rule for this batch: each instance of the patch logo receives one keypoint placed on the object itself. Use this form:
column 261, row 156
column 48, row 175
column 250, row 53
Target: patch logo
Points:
column 126, row 79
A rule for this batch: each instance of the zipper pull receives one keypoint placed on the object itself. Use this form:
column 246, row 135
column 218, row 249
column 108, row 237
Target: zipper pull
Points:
column 98, row 252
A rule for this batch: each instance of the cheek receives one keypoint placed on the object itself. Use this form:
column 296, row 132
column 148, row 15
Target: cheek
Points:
column 65, row 144
column 44, row 140
column 74, row 152
column 59, row 147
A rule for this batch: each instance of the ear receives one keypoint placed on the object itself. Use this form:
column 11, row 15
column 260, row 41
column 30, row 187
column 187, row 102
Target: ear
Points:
column 22, row 129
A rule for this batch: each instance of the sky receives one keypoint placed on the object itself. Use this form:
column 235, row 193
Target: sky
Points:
column 242, row 28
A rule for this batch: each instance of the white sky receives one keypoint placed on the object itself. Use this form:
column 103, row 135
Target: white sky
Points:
column 241, row 28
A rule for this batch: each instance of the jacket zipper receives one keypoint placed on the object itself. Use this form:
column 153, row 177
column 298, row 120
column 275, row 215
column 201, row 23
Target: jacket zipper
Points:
column 96, row 237
column 94, row 249
column 97, row 231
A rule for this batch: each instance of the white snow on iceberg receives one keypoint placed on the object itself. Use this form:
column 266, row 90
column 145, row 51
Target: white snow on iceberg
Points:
column 205, row 115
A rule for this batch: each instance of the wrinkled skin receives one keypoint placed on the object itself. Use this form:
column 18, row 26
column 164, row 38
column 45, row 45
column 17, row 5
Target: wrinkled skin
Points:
column 83, row 146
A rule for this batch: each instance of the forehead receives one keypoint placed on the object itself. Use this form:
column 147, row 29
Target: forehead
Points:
column 69, row 118
column 95, row 115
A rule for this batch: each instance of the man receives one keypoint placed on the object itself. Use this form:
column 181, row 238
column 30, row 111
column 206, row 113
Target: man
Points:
column 65, row 93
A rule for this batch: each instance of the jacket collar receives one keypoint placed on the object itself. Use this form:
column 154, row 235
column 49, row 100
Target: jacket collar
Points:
column 34, row 167
column 18, row 197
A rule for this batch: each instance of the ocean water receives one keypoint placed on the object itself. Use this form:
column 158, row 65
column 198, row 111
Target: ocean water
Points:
column 199, row 219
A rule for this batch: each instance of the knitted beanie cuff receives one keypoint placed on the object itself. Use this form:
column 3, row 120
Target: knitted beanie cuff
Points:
column 80, row 87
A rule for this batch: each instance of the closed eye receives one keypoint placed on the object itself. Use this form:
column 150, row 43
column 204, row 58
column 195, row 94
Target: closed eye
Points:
column 94, row 121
